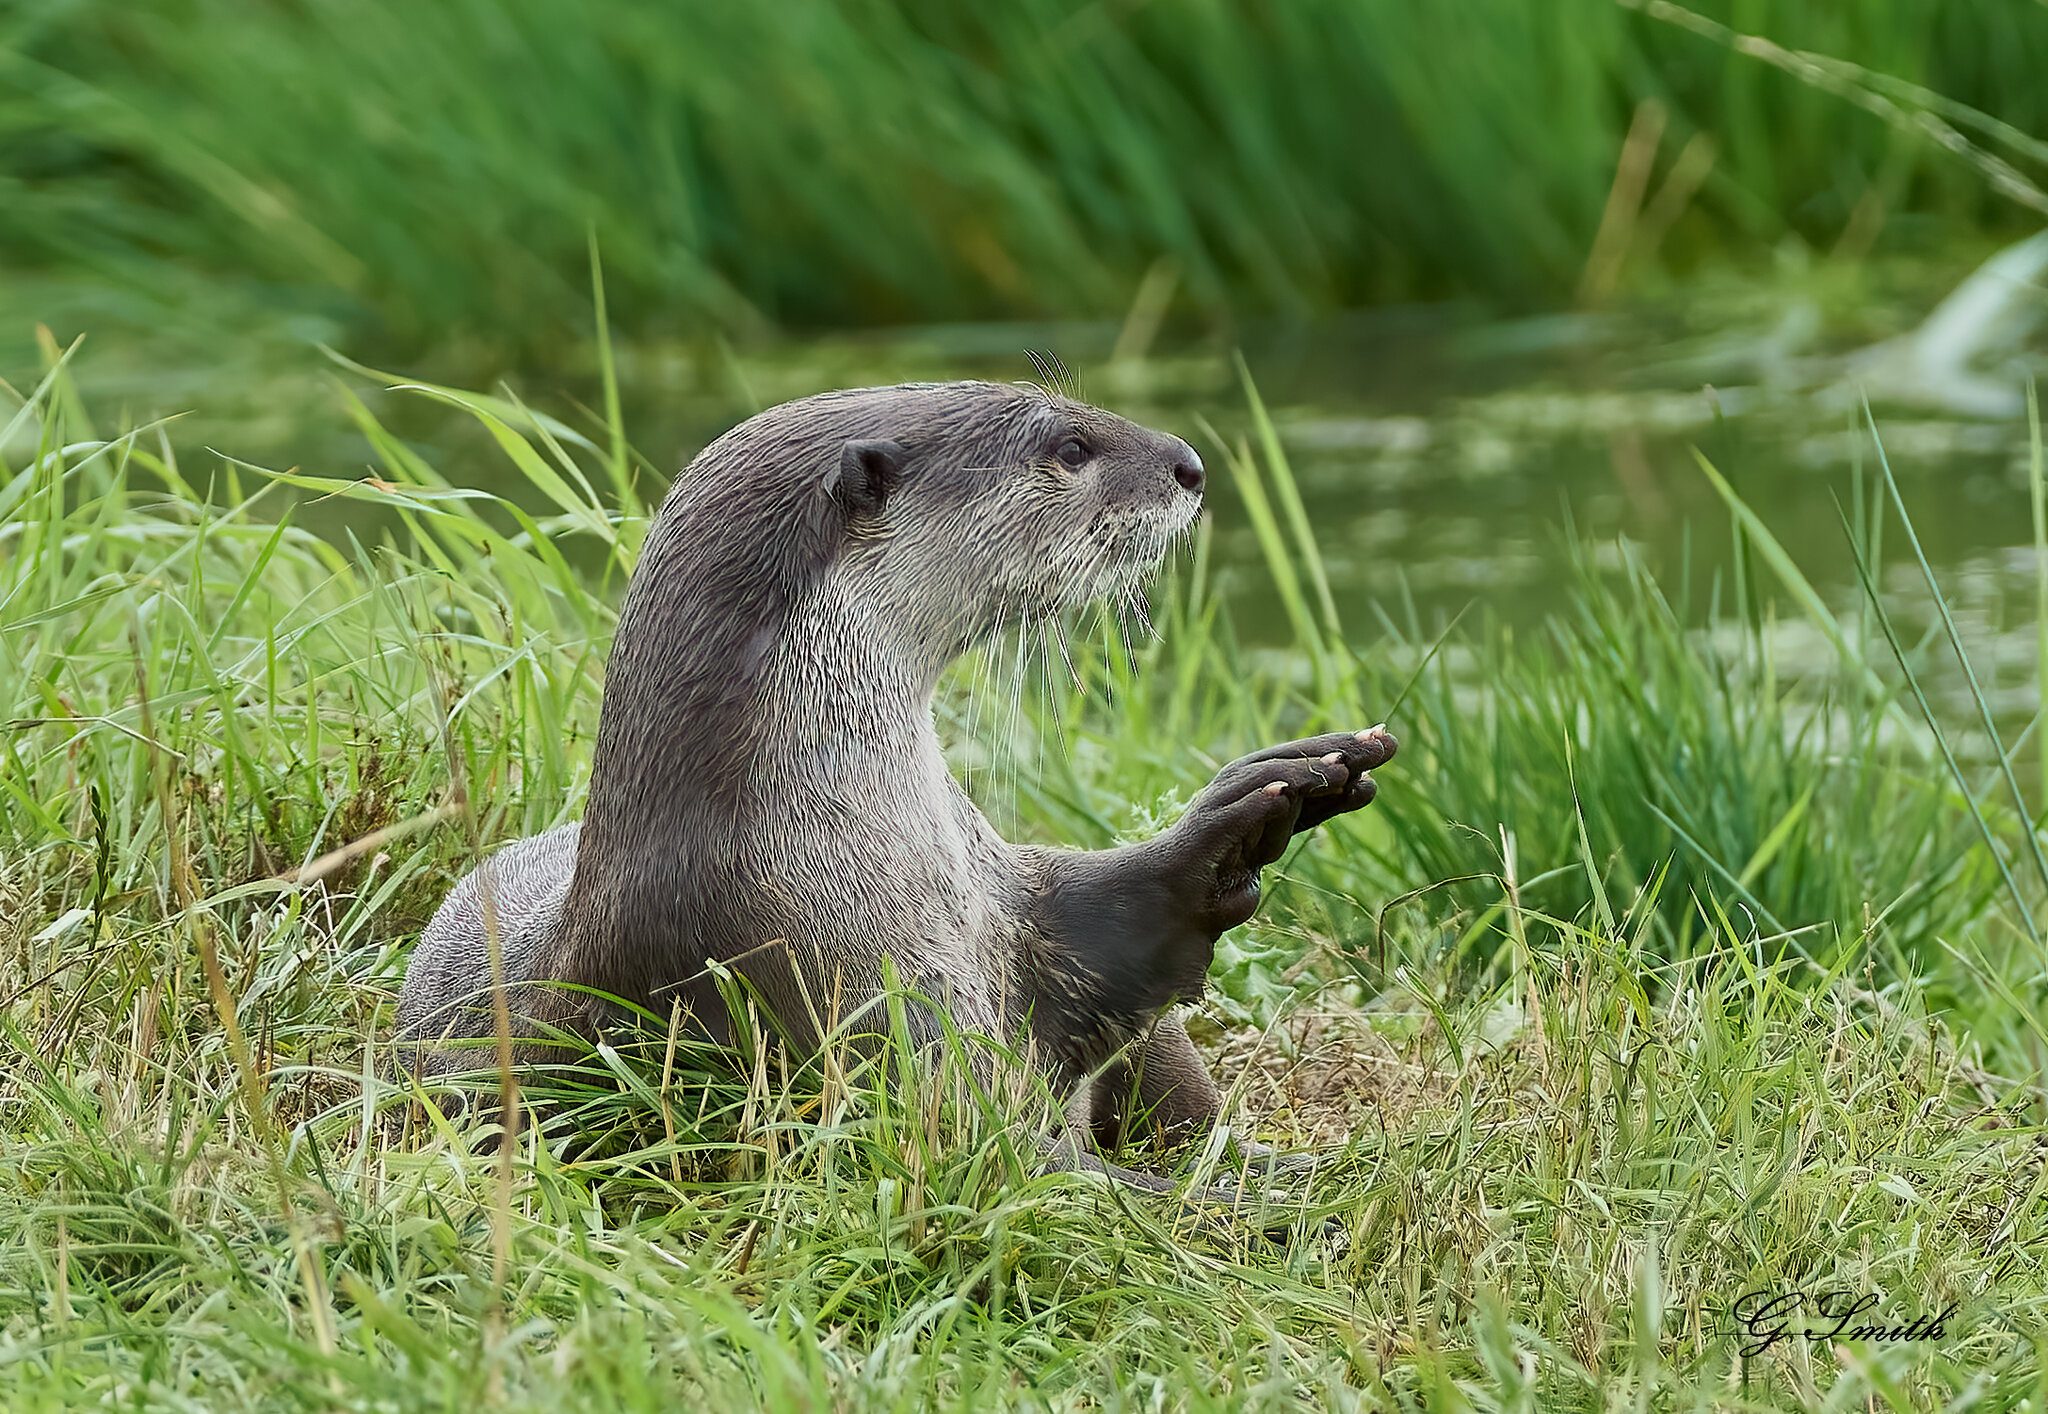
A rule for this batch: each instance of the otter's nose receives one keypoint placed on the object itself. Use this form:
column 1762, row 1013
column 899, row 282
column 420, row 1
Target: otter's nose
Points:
column 1187, row 469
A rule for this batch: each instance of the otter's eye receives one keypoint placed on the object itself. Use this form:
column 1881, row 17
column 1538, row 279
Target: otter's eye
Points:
column 1074, row 452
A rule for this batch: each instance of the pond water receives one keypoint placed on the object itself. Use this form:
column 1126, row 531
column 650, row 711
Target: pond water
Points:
column 1446, row 463
column 1445, row 460
column 1453, row 477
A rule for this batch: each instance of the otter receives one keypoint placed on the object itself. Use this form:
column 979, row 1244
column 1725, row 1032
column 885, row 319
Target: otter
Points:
column 768, row 794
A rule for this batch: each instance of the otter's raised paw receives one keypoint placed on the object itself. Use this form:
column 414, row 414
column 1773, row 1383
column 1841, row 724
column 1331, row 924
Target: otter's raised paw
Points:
column 1358, row 753
column 1242, row 820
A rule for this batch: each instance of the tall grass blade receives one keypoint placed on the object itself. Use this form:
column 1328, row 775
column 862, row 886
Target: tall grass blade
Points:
column 1955, row 642
column 1308, row 553
column 608, row 372
column 2037, row 485
column 1789, row 574
column 1867, row 575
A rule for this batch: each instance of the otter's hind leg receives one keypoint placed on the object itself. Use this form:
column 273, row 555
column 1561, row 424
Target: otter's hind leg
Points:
column 1179, row 1097
column 515, row 894
column 1075, row 1144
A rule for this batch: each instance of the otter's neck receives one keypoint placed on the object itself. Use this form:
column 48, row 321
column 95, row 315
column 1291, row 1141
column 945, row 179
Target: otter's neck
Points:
column 722, row 688
column 847, row 691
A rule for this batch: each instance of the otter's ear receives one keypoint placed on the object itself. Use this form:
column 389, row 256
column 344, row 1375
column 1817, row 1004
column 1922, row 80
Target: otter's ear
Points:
column 869, row 470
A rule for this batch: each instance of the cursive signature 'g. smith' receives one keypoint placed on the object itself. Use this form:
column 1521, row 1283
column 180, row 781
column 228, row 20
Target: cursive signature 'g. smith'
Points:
column 1767, row 1317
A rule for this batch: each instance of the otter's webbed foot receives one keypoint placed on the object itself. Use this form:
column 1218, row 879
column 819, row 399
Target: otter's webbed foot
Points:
column 1224, row 1209
column 1221, row 1209
column 1243, row 819
column 1269, row 1165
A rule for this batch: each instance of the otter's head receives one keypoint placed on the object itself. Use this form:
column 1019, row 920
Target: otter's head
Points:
column 857, row 530
column 969, row 507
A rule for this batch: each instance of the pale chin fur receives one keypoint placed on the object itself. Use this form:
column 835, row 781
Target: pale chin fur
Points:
column 1141, row 549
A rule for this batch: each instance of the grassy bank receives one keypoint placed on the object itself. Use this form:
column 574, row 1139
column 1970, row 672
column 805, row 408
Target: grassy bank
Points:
column 1658, row 975
column 422, row 173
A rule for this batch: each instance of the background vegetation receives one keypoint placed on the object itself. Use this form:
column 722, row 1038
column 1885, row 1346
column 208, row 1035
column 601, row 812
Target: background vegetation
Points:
column 423, row 171
column 1694, row 947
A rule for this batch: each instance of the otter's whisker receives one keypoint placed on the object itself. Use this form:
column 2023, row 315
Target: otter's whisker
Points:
column 1016, row 702
column 1123, row 634
column 1058, row 705
column 1059, row 633
column 1004, row 752
column 1141, row 612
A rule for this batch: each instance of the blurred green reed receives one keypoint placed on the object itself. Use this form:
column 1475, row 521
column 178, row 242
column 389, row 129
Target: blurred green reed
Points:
column 427, row 172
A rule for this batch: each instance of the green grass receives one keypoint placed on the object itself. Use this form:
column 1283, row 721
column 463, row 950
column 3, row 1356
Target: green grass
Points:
column 1738, row 1000
column 425, row 174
